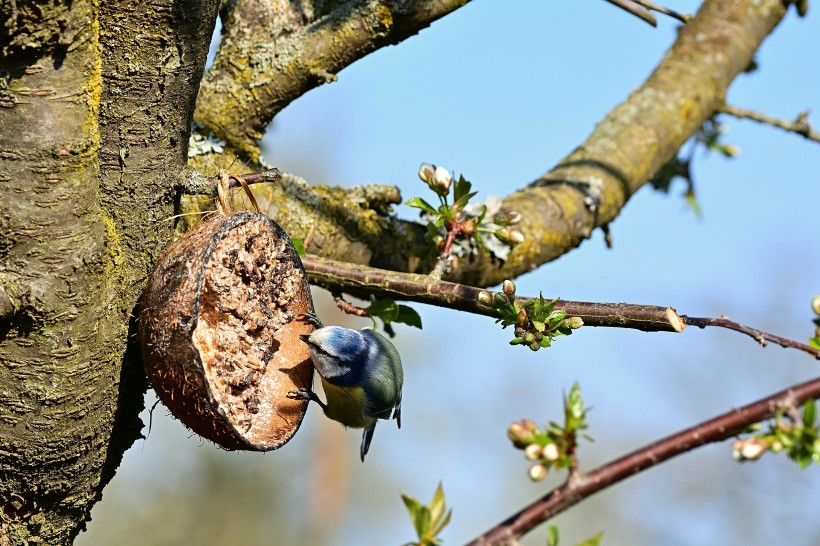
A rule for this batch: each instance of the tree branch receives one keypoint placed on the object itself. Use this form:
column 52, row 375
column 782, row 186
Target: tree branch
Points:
column 799, row 126
column 635, row 9
column 760, row 336
column 360, row 281
column 585, row 485
column 363, row 281
column 590, row 186
column 273, row 52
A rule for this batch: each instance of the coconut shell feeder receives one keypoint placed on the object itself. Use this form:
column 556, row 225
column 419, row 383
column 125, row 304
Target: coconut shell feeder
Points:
column 220, row 325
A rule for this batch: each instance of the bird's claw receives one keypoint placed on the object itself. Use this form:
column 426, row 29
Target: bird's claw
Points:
column 301, row 394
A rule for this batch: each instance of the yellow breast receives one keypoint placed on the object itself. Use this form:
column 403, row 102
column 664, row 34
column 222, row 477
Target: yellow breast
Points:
column 345, row 405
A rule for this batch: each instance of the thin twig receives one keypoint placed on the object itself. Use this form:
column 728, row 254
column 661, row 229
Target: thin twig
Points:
column 200, row 185
column 760, row 336
column 585, row 485
column 635, row 10
column 663, row 9
column 347, row 307
column 799, row 126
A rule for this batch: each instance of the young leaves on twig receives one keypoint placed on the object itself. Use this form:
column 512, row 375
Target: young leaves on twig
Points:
column 429, row 519
column 792, row 432
column 536, row 322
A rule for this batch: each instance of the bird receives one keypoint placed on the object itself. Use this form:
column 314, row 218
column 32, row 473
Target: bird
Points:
column 361, row 375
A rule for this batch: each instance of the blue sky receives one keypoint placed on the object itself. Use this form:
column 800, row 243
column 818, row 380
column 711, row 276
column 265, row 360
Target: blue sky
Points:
column 500, row 94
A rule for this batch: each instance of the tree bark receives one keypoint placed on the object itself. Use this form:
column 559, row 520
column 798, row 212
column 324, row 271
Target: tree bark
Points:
column 96, row 106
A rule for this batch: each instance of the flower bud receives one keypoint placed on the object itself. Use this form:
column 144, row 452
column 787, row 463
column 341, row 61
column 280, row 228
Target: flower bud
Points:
column 441, row 181
column 532, row 452
column 528, row 338
column 520, row 435
column 753, row 449
column 535, row 345
column 737, row 446
column 523, row 319
column 538, row 472
column 508, row 287
column 550, row 452
column 573, row 322
column 484, row 298
column 815, row 304
column 750, row 449
column 507, row 218
column 499, row 300
column 426, row 172
column 470, row 226
column 509, row 236
column 530, row 425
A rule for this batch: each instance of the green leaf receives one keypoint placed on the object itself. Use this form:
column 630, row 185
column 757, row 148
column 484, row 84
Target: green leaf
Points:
column 462, row 202
column 416, row 511
column 437, row 506
column 461, row 188
column 419, row 203
column 809, row 413
column 552, row 535
column 299, row 245
column 443, row 523
column 408, row 315
column 482, row 215
column 546, row 342
column 815, row 342
column 516, row 341
column 386, row 309
column 480, row 240
column 422, row 522
column 692, row 200
column 540, row 326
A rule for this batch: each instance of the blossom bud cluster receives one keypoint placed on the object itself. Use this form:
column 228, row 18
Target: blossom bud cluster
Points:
column 526, row 435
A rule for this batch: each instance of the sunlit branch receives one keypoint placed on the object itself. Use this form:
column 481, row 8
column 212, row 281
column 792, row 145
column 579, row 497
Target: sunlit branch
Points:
column 584, row 485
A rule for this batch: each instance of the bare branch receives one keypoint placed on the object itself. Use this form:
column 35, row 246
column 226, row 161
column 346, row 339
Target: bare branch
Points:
column 760, row 336
column 683, row 18
column 636, row 10
column 585, row 485
column 799, row 126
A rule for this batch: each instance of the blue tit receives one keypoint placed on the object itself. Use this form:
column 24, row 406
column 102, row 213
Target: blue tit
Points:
column 361, row 375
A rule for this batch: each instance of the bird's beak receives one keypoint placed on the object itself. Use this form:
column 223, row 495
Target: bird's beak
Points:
column 305, row 338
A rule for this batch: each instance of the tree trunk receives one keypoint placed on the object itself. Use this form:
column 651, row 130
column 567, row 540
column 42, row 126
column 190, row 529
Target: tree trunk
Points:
column 96, row 107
